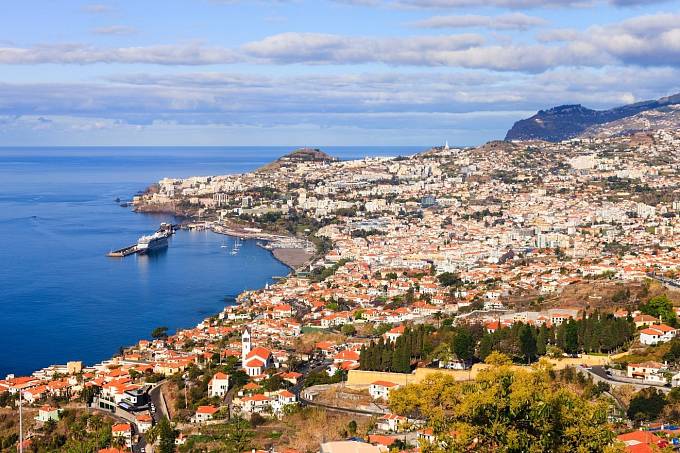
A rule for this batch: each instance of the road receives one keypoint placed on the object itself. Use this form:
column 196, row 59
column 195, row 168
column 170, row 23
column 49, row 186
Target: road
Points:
column 158, row 400
column 600, row 374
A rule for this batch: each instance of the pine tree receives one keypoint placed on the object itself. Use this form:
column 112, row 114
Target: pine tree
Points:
column 386, row 358
column 542, row 340
column 362, row 358
column 571, row 343
column 527, row 342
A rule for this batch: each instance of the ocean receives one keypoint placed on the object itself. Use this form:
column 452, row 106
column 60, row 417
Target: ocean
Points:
column 62, row 299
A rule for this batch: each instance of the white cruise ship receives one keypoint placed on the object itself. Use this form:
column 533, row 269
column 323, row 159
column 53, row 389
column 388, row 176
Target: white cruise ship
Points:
column 156, row 241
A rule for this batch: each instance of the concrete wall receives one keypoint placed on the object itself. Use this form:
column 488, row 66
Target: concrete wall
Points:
column 358, row 378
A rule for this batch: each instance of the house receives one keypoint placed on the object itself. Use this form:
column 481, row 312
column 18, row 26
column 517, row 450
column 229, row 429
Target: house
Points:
column 123, row 430
column 144, row 422
column 650, row 372
column 336, row 319
column 47, row 413
column 426, row 435
column 642, row 441
column 254, row 404
column 31, row 395
column 656, row 334
column 281, row 399
column 391, row 422
column 282, row 311
column 394, row 333
column 218, row 385
column 381, row 440
column 381, row 389
column 291, row 377
column 204, row 413
column 644, row 321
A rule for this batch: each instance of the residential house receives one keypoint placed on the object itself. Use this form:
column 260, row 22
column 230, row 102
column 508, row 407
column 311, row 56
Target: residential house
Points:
column 218, row 385
column 381, row 389
column 47, row 413
column 204, row 413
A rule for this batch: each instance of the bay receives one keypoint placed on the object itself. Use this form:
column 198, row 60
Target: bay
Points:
column 61, row 299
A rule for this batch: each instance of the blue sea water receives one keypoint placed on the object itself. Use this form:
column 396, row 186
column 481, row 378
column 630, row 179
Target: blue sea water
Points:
column 61, row 299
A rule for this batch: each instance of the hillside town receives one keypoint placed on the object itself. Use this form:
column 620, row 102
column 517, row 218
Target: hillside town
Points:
column 445, row 266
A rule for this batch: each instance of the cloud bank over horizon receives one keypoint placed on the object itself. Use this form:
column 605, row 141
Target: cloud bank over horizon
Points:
column 371, row 72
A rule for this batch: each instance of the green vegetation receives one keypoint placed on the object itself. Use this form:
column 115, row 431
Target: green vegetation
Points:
column 75, row 432
column 166, row 435
column 472, row 342
column 159, row 333
column 395, row 356
column 507, row 410
column 321, row 377
column 660, row 307
column 647, row 404
column 320, row 274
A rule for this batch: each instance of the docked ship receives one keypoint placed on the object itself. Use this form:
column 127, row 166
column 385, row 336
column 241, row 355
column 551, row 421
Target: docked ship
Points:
column 156, row 241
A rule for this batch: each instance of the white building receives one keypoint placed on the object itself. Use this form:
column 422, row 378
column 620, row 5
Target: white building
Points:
column 218, row 385
column 381, row 389
column 656, row 334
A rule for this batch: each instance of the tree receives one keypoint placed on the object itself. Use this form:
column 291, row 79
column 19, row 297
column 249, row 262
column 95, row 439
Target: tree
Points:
column 352, row 428
column 449, row 279
column 238, row 378
column 542, row 340
column 660, row 307
column 166, row 435
column 159, row 333
column 647, row 404
column 348, row 329
column 527, row 342
column 571, row 337
column 508, row 410
column 238, row 436
column 463, row 345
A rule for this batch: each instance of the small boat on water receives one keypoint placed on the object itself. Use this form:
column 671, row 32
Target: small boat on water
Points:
column 237, row 246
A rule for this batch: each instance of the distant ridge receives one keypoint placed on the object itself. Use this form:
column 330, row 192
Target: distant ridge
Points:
column 569, row 121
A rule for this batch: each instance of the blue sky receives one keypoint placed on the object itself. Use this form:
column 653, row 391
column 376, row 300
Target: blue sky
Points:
column 320, row 72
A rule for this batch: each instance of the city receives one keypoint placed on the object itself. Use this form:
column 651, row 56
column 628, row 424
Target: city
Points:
column 423, row 267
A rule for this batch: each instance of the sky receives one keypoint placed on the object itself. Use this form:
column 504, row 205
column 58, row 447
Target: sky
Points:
column 320, row 72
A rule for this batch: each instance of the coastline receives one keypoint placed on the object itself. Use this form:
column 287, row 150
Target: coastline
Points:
column 289, row 250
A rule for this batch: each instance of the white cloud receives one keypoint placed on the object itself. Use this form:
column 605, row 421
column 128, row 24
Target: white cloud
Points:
column 97, row 8
column 514, row 21
column 120, row 30
column 652, row 40
column 189, row 54
column 320, row 48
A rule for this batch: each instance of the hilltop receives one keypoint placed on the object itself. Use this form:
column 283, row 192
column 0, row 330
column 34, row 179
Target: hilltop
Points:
column 569, row 121
column 301, row 155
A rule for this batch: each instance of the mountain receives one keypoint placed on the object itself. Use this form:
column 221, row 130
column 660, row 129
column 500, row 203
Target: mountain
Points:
column 667, row 118
column 568, row 121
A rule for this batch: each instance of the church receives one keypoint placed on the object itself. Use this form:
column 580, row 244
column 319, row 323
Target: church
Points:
column 254, row 360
